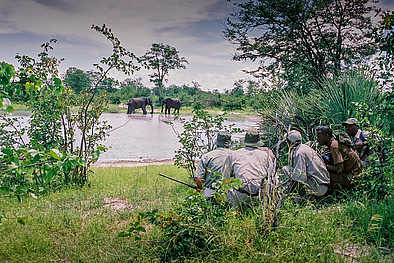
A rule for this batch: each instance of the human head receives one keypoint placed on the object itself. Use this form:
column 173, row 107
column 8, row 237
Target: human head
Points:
column 223, row 139
column 351, row 126
column 252, row 138
column 324, row 134
column 294, row 137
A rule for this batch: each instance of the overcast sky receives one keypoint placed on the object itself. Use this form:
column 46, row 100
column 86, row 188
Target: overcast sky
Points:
column 194, row 27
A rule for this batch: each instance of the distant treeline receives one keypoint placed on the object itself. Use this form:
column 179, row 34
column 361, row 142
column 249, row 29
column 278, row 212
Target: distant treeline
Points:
column 244, row 94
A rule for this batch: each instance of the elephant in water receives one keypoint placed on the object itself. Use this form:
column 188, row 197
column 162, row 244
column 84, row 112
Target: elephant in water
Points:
column 136, row 103
column 171, row 103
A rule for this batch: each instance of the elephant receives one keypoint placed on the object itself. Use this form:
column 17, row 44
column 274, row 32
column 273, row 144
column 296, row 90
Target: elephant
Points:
column 171, row 103
column 136, row 103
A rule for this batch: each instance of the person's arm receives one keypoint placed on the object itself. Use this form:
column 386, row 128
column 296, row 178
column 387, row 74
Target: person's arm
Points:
column 336, row 168
column 199, row 174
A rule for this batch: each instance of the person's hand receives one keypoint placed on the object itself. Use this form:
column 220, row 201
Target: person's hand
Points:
column 199, row 182
column 358, row 146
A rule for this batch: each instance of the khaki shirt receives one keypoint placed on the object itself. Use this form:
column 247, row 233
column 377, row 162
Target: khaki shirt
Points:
column 251, row 165
column 307, row 163
column 343, row 154
column 213, row 160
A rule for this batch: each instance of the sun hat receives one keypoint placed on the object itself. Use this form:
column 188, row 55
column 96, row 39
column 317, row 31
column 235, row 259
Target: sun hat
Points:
column 350, row 121
column 252, row 138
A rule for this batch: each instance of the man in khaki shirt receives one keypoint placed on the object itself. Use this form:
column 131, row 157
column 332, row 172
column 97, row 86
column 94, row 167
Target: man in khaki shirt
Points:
column 346, row 163
column 306, row 166
column 212, row 162
column 252, row 164
column 359, row 139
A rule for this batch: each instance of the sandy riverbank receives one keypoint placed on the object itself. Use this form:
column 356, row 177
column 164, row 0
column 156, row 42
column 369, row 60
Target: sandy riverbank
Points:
column 129, row 163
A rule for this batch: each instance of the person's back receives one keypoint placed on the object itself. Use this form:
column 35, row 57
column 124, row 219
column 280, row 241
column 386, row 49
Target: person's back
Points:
column 306, row 166
column 342, row 153
column 252, row 164
column 212, row 162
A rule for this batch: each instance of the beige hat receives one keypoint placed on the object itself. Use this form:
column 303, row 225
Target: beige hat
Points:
column 252, row 138
column 294, row 136
column 350, row 121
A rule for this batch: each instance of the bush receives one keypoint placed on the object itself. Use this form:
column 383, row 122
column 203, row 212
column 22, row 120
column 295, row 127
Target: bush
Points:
column 198, row 137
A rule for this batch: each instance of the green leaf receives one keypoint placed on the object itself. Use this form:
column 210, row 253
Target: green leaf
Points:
column 54, row 153
column 123, row 234
column 22, row 220
column 57, row 81
column 140, row 228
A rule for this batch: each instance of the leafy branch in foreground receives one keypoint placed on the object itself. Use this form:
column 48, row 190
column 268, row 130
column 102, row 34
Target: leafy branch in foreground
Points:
column 198, row 137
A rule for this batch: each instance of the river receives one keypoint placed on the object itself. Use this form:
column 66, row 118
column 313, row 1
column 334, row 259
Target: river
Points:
column 147, row 138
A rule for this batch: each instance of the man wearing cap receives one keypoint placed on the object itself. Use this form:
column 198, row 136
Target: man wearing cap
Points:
column 252, row 164
column 306, row 166
column 346, row 163
column 359, row 139
column 212, row 162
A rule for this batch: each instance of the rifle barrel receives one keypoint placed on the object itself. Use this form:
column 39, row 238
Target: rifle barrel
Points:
column 178, row 181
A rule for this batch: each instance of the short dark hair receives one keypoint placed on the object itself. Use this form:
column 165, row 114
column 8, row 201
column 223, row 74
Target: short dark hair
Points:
column 324, row 129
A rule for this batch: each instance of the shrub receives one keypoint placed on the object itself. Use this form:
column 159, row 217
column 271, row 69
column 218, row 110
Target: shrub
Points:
column 198, row 137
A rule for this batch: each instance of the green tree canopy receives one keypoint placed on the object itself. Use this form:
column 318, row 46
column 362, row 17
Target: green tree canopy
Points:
column 77, row 79
column 162, row 58
column 316, row 37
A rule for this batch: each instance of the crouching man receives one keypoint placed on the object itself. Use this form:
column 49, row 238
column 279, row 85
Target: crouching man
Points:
column 212, row 162
column 306, row 166
column 252, row 164
column 346, row 165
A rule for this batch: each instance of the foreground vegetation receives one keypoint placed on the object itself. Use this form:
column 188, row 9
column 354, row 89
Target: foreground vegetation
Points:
column 82, row 225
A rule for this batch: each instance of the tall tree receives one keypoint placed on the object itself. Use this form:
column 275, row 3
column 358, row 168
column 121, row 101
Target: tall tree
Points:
column 162, row 58
column 77, row 79
column 314, row 37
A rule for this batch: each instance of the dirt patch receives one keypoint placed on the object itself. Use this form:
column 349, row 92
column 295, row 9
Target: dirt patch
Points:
column 351, row 252
column 128, row 163
column 116, row 204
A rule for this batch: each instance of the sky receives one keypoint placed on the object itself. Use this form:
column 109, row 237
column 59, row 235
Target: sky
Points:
column 193, row 27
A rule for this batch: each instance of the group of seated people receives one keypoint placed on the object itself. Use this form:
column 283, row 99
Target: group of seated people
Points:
column 338, row 168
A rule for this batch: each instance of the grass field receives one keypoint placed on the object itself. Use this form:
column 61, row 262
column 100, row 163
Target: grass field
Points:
column 81, row 225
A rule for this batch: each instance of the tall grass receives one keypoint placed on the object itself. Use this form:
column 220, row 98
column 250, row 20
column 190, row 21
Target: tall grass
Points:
column 331, row 105
column 75, row 225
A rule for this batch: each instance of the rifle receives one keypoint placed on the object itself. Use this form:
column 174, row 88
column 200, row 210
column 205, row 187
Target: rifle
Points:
column 181, row 182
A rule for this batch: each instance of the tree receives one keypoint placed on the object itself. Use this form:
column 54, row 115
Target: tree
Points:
column 77, row 79
column 315, row 37
column 162, row 58
column 384, row 37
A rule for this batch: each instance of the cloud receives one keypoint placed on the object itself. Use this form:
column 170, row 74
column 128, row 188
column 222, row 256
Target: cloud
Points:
column 193, row 27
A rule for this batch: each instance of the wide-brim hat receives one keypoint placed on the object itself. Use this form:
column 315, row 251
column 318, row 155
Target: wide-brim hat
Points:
column 252, row 138
column 350, row 121
column 223, row 139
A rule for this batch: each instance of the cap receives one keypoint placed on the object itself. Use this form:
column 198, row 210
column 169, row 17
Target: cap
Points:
column 350, row 121
column 252, row 138
column 294, row 136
